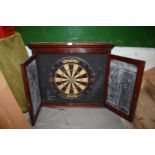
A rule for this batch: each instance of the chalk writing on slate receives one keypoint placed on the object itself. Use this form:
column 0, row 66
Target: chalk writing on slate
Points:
column 121, row 83
column 33, row 85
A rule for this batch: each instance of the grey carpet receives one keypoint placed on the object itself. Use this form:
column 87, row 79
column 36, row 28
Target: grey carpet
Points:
column 78, row 118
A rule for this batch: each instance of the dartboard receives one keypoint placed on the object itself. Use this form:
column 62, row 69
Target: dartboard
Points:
column 72, row 77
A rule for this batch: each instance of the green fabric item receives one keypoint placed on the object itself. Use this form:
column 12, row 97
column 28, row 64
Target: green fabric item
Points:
column 12, row 54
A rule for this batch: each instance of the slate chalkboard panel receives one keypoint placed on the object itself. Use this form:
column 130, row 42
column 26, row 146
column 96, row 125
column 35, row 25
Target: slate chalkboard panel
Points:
column 33, row 83
column 123, row 80
column 121, row 83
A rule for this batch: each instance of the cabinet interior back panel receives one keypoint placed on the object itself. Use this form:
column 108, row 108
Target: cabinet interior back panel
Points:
column 97, row 63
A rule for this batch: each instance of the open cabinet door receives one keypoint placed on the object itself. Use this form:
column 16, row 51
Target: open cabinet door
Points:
column 122, row 85
column 31, row 84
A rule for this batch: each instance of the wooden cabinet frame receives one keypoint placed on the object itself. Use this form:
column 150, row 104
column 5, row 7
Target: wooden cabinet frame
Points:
column 84, row 48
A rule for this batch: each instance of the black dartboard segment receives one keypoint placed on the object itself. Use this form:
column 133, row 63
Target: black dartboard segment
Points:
column 71, row 77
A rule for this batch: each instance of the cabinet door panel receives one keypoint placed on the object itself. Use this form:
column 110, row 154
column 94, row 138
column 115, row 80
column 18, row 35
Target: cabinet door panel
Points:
column 123, row 81
column 31, row 83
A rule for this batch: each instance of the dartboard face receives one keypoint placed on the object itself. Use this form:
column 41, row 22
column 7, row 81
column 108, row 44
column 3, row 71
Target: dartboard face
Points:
column 71, row 77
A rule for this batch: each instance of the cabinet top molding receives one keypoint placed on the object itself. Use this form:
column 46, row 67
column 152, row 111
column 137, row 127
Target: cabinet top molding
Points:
column 70, row 44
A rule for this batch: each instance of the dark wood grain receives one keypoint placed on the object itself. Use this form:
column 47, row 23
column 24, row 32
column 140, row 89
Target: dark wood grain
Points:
column 69, row 44
column 94, row 48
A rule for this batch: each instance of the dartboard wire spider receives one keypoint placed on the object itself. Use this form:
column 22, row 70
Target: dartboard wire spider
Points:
column 71, row 80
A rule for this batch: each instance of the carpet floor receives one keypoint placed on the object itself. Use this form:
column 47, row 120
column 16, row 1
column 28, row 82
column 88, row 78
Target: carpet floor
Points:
column 78, row 118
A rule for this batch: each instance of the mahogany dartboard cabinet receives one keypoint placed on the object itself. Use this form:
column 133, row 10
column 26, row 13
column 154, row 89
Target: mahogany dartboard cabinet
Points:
column 81, row 75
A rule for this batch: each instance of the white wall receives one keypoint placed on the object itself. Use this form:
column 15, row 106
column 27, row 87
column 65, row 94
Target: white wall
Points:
column 29, row 51
column 146, row 54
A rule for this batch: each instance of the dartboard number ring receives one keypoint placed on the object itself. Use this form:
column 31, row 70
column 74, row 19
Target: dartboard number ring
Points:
column 72, row 77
